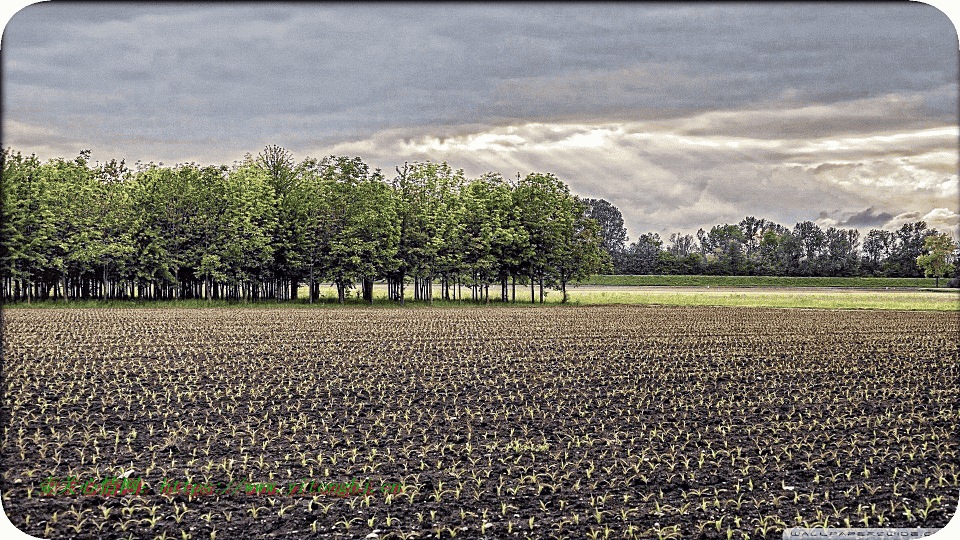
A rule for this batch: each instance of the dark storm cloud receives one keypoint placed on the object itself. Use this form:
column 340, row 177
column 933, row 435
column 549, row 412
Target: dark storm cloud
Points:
column 867, row 218
column 423, row 65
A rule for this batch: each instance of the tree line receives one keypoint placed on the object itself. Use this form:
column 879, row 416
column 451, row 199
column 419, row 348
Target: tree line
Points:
column 760, row 247
column 268, row 225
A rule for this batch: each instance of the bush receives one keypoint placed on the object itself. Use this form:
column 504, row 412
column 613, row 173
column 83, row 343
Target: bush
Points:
column 954, row 282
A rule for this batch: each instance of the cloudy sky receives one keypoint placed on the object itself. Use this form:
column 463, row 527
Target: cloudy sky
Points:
column 682, row 115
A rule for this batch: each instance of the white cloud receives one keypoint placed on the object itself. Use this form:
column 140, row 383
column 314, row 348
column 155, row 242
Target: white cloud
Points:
column 942, row 219
column 664, row 181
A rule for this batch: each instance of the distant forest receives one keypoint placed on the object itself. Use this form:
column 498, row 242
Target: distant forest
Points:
column 758, row 247
column 267, row 225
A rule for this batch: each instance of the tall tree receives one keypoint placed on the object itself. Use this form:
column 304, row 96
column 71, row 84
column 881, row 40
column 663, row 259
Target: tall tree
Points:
column 682, row 245
column 482, row 216
column 909, row 245
column 878, row 246
column 613, row 234
column 423, row 193
column 751, row 230
column 724, row 248
column 289, row 258
column 27, row 224
column 540, row 198
column 841, row 256
column 580, row 251
column 359, row 227
column 811, row 243
column 772, row 257
column 939, row 257
column 643, row 256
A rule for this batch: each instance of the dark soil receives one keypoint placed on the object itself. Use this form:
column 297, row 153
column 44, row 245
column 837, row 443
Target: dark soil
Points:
column 615, row 421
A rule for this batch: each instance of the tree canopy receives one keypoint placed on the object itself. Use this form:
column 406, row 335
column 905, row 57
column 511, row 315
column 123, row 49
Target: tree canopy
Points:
column 268, row 224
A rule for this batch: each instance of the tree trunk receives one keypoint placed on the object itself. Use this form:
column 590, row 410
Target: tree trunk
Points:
column 368, row 290
column 533, row 288
column 311, row 283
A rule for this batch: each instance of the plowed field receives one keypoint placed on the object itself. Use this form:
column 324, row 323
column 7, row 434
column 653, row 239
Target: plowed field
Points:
column 612, row 421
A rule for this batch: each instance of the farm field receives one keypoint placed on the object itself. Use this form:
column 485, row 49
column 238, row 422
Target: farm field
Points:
column 611, row 421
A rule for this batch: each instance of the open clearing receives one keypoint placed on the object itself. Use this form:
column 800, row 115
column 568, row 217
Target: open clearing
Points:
column 805, row 297
column 689, row 422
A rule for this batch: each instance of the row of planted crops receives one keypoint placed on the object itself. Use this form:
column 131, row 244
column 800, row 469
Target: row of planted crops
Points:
column 604, row 422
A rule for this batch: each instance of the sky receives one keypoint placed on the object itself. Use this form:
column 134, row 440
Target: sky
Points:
column 683, row 116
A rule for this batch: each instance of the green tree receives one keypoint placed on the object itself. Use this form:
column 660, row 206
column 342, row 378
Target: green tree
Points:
column 878, row 246
column 724, row 250
column 842, row 247
column 76, row 236
column 112, row 214
column 358, row 225
column 27, row 227
column 479, row 223
column 910, row 239
column 539, row 199
column 612, row 232
column 423, row 194
column 580, row 250
column 811, row 244
column 643, row 255
column 163, row 239
column 938, row 259
column 290, row 259
column 249, row 223
column 490, row 234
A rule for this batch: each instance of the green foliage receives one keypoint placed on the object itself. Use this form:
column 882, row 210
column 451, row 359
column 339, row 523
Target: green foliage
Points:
column 267, row 225
column 938, row 260
column 261, row 228
column 580, row 249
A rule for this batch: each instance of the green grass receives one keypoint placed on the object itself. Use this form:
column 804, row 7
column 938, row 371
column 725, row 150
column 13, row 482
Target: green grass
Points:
column 762, row 281
column 797, row 298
